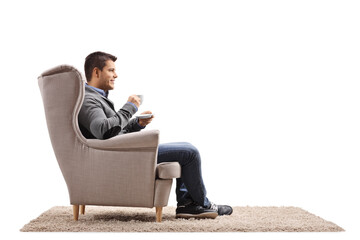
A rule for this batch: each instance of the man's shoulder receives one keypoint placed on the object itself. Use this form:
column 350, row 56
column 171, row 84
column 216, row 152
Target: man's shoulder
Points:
column 89, row 90
column 91, row 93
column 91, row 96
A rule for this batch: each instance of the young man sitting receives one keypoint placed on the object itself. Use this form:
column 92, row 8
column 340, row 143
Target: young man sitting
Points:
column 99, row 119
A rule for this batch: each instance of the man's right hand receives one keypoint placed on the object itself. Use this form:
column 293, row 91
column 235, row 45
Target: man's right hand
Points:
column 135, row 100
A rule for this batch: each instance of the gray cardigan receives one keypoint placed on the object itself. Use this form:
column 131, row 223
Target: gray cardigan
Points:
column 98, row 118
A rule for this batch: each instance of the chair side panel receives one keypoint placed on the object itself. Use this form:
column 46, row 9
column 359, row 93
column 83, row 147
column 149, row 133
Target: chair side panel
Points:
column 115, row 178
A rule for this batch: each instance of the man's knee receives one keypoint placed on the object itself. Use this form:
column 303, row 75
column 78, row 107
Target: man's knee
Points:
column 193, row 151
column 189, row 147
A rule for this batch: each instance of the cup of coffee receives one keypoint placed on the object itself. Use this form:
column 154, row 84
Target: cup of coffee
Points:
column 141, row 98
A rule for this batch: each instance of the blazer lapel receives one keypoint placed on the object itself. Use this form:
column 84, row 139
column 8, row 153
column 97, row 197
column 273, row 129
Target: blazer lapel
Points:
column 111, row 104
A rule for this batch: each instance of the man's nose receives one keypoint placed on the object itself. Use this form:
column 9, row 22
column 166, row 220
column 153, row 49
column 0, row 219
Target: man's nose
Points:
column 115, row 75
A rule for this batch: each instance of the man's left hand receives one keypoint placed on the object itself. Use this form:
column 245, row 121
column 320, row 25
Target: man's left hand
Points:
column 145, row 121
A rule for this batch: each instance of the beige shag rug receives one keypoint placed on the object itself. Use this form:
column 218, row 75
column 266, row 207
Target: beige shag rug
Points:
column 123, row 219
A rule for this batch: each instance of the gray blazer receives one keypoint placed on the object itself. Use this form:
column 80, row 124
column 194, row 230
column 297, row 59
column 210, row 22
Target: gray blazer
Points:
column 98, row 118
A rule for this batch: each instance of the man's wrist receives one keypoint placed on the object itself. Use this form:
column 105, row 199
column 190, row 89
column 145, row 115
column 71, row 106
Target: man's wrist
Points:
column 133, row 104
column 138, row 123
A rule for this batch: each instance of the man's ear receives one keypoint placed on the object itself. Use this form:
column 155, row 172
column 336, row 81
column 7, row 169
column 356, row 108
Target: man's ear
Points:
column 96, row 72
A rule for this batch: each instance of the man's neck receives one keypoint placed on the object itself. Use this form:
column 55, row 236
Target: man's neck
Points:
column 99, row 90
column 95, row 85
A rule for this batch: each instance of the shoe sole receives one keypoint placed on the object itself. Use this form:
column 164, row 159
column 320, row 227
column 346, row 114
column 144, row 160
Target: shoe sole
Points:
column 226, row 214
column 212, row 215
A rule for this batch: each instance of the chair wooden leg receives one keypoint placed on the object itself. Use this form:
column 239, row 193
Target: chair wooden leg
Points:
column 158, row 214
column 82, row 209
column 76, row 212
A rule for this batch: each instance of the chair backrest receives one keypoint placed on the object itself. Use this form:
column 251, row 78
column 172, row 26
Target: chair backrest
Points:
column 62, row 90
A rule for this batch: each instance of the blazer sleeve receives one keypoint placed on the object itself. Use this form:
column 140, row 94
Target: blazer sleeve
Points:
column 133, row 126
column 94, row 119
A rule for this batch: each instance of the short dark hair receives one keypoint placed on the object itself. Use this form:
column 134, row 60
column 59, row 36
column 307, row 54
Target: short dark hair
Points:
column 96, row 59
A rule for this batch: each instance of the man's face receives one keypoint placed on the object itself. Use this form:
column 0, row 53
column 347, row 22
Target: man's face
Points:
column 107, row 76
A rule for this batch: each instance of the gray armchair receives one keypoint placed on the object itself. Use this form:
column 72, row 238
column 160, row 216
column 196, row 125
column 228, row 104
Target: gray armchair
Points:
column 120, row 171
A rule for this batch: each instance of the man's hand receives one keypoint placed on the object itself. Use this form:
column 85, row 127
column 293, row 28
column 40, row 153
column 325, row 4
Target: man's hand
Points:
column 145, row 121
column 135, row 100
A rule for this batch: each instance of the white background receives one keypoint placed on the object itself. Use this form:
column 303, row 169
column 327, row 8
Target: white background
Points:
column 267, row 90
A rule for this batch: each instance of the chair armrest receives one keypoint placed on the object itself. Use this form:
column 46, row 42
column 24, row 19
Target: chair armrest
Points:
column 168, row 170
column 137, row 140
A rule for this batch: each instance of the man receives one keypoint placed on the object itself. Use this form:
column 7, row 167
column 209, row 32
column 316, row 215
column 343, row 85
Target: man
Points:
column 98, row 119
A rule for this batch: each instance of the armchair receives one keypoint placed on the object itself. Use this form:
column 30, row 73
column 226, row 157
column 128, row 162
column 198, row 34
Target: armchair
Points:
column 120, row 171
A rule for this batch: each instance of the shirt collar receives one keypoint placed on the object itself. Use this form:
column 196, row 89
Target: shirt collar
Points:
column 102, row 92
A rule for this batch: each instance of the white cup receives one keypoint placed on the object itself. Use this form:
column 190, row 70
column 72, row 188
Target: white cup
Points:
column 141, row 98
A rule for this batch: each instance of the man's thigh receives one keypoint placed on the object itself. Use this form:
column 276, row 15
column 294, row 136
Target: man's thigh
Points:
column 175, row 152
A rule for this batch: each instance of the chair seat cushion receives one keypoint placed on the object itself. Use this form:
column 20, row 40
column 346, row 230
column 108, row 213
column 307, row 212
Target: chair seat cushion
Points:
column 168, row 170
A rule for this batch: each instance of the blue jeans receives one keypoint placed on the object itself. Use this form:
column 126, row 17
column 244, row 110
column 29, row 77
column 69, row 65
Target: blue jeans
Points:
column 190, row 187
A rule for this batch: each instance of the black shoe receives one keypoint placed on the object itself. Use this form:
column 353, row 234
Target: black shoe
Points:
column 195, row 211
column 221, row 209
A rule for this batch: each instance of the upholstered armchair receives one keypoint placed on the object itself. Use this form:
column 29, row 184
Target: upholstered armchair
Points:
column 120, row 171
